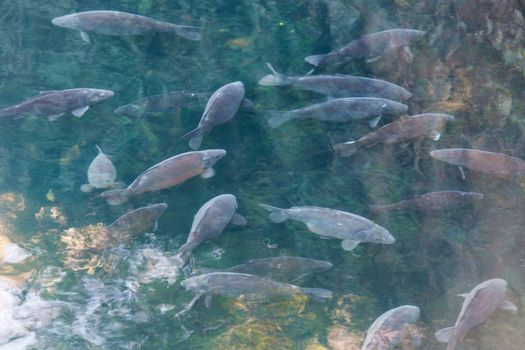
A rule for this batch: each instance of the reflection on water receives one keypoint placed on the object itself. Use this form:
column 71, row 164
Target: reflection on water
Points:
column 62, row 285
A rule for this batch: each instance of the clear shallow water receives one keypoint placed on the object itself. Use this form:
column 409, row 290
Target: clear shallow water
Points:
column 468, row 65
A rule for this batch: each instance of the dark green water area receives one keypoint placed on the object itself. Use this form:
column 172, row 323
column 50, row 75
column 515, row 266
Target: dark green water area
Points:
column 468, row 64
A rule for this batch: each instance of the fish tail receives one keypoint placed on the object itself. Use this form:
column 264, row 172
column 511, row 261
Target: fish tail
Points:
column 348, row 148
column 315, row 60
column 318, row 293
column 99, row 149
column 276, row 214
column 448, row 335
column 278, row 118
column 274, row 79
column 195, row 136
column 189, row 32
column 183, row 254
column 377, row 209
column 115, row 197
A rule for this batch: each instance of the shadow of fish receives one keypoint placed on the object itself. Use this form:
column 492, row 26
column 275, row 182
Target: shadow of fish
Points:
column 121, row 24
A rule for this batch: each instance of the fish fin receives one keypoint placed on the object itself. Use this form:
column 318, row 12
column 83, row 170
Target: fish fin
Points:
column 86, row 188
column 195, row 136
column 248, row 104
column 377, row 209
column 277, row 215
column 46, row 92
column 349, row 245
column 99, row 149
column 407, row 53
column 317, row 293
column 189, row 32
column 348, row 148
column 79, row 112
column 85, row 37
column 183, row 254
column 446, row 334
column 463, row 295
column 509, row 306
column 115, row 197
column 52, row 117
column 316, row 229
column 315, row 60
column 238, row 219
column 374, row 121
column 277, row 118
column 118, row 185
column 434, row 135
column 373, row 59
column 206, row 174
column 208, row 300
column 274, row 79
column 155, row 226
column 462, row 172
column 326, row 237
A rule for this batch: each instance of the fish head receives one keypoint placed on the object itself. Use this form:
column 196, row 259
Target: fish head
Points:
column 212, row 156
column 157, row 209
column 195, row 284
column 379, row 234
column 320, row 266
column 68, row 21
column 131, row 109
column 409, row 313
column 474, row 195
column 97, row 95
column 393, row 108
column 237, row 87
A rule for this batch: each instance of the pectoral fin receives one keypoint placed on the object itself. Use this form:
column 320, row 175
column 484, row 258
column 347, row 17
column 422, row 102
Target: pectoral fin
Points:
column 434, row 135
column 349, row 245
column 373, row 59
column 54, row 116
column 155, row 226
column 208, row 173
column 46, row 92
column 373, row 122
column 79, row 112
column 85, row 37
column 462, row 172
column 315, row 229
column 509, row 306
column 238, row 219
column 208, row 300
column 464, row 295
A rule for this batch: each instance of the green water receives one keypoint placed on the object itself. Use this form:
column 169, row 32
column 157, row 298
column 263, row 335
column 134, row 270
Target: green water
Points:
column 468, row 65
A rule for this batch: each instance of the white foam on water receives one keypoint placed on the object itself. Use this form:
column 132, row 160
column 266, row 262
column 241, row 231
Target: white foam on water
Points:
column 13, row 254
column 152, row 264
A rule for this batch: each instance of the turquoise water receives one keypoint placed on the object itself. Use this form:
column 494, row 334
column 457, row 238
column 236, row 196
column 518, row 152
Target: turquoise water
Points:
column 468, row 65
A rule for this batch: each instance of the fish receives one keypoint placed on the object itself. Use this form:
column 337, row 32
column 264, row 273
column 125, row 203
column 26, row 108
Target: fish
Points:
column 169, row 172
column 209, row 222
column 369, row 47
column 495, row 164
column 409, row 128
column 352, row 229
column 392, row 327
column 221, row 107
column 338, row 85
column 54, row 104
column 121, row 24
column 479, row 304
column 432, row 202
column 101, row 173
column 160, row 103
column 136, row 222
column 341, row 110
column 252, row 287
column 282, row 268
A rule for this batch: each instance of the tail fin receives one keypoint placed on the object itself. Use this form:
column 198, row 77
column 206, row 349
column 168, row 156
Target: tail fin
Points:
column 348, row 148
column 115, row 197
column 377, row 209
column 318, row 293
column 448, row 335
column 195, row 136
column 276, row 214
column 183, row 254
column 274, row 79
column 189, row 32
column 315, row 60
column 278, row 118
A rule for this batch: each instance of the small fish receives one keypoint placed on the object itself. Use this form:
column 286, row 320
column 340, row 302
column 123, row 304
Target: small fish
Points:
column 410, row 128
column 169, row 172
column 282, row 268
column 330, row 223
column 160, row 103
column 338, row 85
column 54, row 104
column 253, row 287
column 101, row 173
column 392, row 327
column 121, row 24
column 495, row 164
column 211, row 219
column 50, row 195
column 479, row 304
column 341, row 110
column 370, row 46
column 221, row 107
column 136, row 222
column 431, row 202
